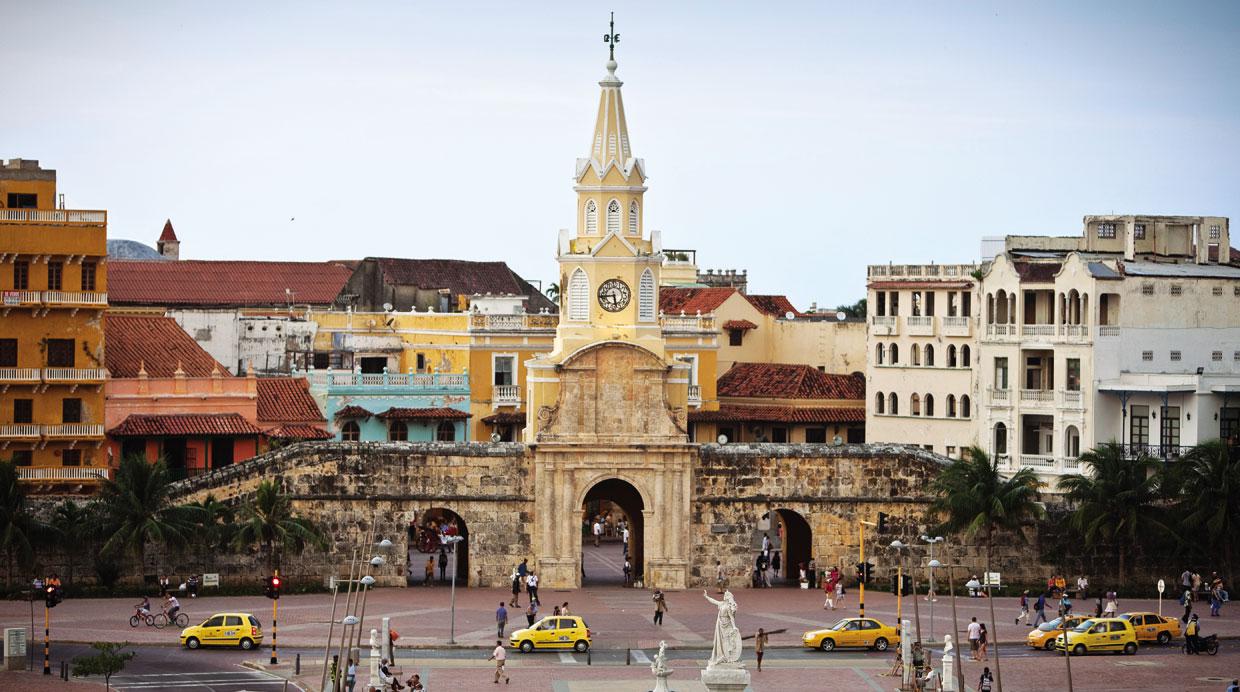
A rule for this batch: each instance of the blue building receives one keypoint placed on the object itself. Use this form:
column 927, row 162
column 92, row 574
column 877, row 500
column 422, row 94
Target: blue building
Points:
column 418, row 407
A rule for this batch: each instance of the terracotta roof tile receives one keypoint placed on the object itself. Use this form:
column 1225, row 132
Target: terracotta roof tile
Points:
column 786, row 381
column 168, row 233
column 286, row 400
column 439, row 413
column 462, row 277
column 739, row 324
column 181, row 424
column 224, row 282
column 675, row 299
column 298, row 432
column 159, row 343
column 778, row 414
column 353, row 412
column 775, row 305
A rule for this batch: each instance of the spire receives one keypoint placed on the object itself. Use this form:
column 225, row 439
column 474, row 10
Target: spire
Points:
column 168, row 233
column 611, row 131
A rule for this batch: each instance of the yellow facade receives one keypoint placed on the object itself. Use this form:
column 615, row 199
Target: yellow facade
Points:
column 53, row 276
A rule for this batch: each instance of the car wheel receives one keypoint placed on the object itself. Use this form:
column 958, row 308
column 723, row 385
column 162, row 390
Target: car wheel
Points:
column 828, row 644
column 247, row 644
column 581, row 646
column 1078, row 650
column 1049, row 645
column 527, row 646
column 1130, row 648
column 1164, row 637
column 880, row 644
column 191, row 643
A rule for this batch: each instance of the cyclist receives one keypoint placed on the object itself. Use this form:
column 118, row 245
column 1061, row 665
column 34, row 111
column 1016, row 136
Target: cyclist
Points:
column 171, row 607
column 143, row 609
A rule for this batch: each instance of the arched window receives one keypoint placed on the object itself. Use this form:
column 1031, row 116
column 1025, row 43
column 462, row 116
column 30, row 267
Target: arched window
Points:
column 579, row 296
column 964, row 406
column 613, row 217
column 914, row 354
column 350, row 432
column 446, row 432
column 1071, row 442
column 965, row 362
column 398, row 431
column 879, row 350
column 894, row 352
column 893, row 404
column 646, row 297
column 929, row 359
column 1000, row 439
column 633, row 217
column 914, row 405
column 951, row 405
column 951, row 356
column 929, row 405
column 591, row 217
column 880, row 403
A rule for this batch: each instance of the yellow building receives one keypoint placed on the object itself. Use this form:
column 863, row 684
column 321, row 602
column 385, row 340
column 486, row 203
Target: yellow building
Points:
column 54, row 284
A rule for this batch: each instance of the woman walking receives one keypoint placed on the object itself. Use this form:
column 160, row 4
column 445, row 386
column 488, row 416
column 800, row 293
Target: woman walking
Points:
column 981, row 645
column 1112, row 605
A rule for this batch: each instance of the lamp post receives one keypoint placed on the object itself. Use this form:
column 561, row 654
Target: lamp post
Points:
column 453, row 540
column 951, row 586
column 908, row 666
column 931, row 596
column 341, row 663
column 327, row 647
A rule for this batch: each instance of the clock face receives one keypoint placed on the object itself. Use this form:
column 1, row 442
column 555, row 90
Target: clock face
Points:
column 613, row 295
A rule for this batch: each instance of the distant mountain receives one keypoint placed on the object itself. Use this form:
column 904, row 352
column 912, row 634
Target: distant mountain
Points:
column 119, row 248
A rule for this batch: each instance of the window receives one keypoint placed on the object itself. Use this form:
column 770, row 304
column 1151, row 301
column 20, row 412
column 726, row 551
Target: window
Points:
column 23, row 410
column 633, row 217
column 613, row 217
column 894, row 352
column 816, row 435
column 1139, row 425
column 779, row 434
column 893, row 404
column 880, row 303
column 579, row 296
column 350, row 432
column 23, row 200
column 964, row 357
column 446, row 432
column 951, row 356
column 1147, row 289
column 895, row 303
column 420, row 362
column 951, row 405
column 591, row 217
column 60, row 353
column 952, row 308
column 916, row 303
column 1175, row 356
column 398, row 431
column 21, row 276
column 1177, row 289
column 647, row 297
column 1217, row 290
column 1216, row 232
column 55, row 276
column 880, row 403
column 503, row 374
column 1147, row 356
column 8, row 353
column 951, row 451
column 914, row 353
column 878, row 354
column 914, row 405
column 89, row 270
column 1170, row 428
column 611, row 144
column 217, row 621
column 1216, row 356
column 929, row 356
column 929, row 405
column 964, row 406
column 71, row 457
column 1138, row 231
column 1072, row 442
column 1074, row 375
column 735, row 337
column 1000, row 439
column 71, row 411
column 1001, row 373
column 1106, row 230
column 22, row 457
column 232, row 620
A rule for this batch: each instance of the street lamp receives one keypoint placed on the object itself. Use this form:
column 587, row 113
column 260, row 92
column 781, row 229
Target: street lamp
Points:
column 931, row 595
column 951, row 586
column 909, row 666
column 452, row 541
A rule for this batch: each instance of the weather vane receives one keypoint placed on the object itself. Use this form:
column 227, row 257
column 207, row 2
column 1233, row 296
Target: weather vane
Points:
column 612, row 38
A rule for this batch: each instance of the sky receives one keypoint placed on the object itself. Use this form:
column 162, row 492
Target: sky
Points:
column 798, row 141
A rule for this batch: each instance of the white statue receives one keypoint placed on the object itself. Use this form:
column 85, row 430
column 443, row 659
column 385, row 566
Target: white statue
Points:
column 374, row 639
column 659, row 665
column 726, row 652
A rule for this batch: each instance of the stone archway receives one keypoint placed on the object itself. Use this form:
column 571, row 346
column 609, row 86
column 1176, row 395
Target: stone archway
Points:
column 609, row 502
column 791, row 536
column 424, row 542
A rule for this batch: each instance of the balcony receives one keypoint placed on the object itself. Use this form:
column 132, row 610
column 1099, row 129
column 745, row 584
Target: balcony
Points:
column 1072, row 399
column 1038, row 331
column 63, row 473
column 695, row 395
column 513, row 323
column 920, row 325
column 75, row 299
column 1000, row 397
column 20, row 376
column 1037, row 398
column 20, row 431
column 1074, row 333
column 956, row 326
column 67, row 217
column 1001, row 332
column 1036, row 461
column 74, row 375
column 1164, row 452
column 505, row 395
column 884, row 325
column 22, row 299
column 393, row 381
column 687, row 323
column 70, row 431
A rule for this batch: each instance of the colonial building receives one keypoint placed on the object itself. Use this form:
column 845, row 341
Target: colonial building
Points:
column 54, row 281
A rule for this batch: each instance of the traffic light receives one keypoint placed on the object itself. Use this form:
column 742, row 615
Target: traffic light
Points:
column 273, row 587
column 52, row 596
column 882, row 523
column 863, row 571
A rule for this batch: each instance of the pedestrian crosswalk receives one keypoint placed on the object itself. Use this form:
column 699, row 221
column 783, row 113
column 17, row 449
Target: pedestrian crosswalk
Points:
column 217, row 681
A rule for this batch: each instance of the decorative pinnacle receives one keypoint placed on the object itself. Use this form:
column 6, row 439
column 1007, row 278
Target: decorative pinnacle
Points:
column 611, row 38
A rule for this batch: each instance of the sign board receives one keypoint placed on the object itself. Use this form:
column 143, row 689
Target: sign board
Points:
column 212, row 579
column 12, row 298
column 1162, row 586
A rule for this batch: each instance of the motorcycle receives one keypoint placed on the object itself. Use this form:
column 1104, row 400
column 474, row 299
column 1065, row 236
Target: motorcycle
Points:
column 1207, row 644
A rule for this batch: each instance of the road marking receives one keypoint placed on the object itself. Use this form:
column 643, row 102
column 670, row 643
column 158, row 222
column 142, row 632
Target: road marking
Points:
column 640, row 656
column 566, row 657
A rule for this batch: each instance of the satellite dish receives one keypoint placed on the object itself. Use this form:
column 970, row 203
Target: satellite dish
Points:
column 789, row 316
column 722, row 439
column 495, row 437
column 840, row 316
column 387, row 307
column 837, row 440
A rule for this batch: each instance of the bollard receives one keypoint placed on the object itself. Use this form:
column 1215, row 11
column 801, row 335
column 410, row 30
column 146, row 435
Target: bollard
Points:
column 628, row 655
column 64, row 671
column 588, row 655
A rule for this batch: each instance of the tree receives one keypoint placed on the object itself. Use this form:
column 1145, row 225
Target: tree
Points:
column 212, row 530
column 109, row 661
column 553, row 292
column 1209, row 480
column 75, row 527
column 18, row 528
column 855, row 311
column 137, row 510
column 1117, row 502
column 268, row 520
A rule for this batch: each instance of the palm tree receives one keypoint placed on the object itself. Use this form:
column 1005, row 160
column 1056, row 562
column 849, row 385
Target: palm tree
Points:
column 213, row 528
column 1209, row 477
column 75, row 527
column 973, row 498
column 137, row 510
column 18, row 528
column 553, row 292
column 268, row 520
column 1117, row 502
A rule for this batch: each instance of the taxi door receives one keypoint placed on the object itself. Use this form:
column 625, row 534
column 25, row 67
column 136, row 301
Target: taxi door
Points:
column 231, row 632
column 850, row 635
column 868, row 633
column 1114, row 638
column 1146, row 626
column 565, row 633
column 212, row 630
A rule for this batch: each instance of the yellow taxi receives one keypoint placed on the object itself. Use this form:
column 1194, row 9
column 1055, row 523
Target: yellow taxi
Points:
column 224, row 629
column 852, row 632
column 1043, row 636
column 1099, row 634
column 1152, row 627
column 553, row 632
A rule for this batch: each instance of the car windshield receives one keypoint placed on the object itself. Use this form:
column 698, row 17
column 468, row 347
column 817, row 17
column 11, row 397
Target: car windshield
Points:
column 1084, row 626
column 1050, row 625
column 841, row 624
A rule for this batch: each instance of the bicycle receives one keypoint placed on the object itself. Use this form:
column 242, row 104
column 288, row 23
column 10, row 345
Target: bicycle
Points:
column 139, row 616
column 162, row 620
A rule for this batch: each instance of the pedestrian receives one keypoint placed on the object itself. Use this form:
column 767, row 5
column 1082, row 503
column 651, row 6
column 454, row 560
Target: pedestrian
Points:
column 429, row 579
column 501, row 620
column 1190, row 636
column 531, row 586
column 193, row 586
column 443, row 565
column 531, row 613
column 350, row 675
column 1234, row 686
column 598, row 532
column 1186, row 580
column 556, row 610
column 1024, row 608
column 768, row 577
column 776, row 563
column 766, row 542
column 499, row 655
column 982, row 642
column 1098, row 607
column 1112, row 605
column 975, row 638
column 759, row 644
column 516, row 578
column 624, row 536
column 813, row 573
column 660, row 606
column 1216, row 599
column 1065, row 605
column 564, row 609
column 1039, row 607
column 523, row 569
column 387, row 678
column 985, row 684
column 720, row 580
column 415, row 683
column 163, row 585
column 1187, row 601
column 828, row 601
column 628, row 570
column 839, row 593
column 1082, row 587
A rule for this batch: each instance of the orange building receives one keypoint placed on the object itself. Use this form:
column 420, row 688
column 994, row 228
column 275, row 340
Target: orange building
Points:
column 53, row 278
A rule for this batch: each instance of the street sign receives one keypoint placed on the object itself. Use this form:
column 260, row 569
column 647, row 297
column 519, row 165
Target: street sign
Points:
column 211, row 579
column 1162, row 586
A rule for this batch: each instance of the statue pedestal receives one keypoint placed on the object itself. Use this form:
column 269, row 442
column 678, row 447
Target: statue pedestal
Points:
column 660, row 683
column 949, row 673
column 719, row 679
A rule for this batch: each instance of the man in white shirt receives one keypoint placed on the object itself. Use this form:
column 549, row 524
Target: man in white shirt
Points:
column 531, row 586
column 499, row 655
column 171, row 607
column 598, row 531
column 1082, row 588
column 975, row 638
column 624, row 536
